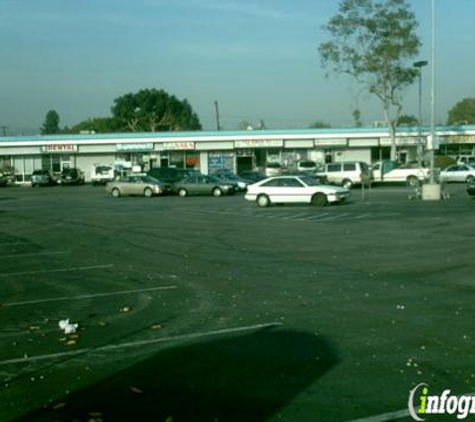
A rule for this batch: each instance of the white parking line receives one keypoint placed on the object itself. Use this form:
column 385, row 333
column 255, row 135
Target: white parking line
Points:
column 295, row 216
column 318, row 216
column 334, row 217
column 90, row 296
column 32, row 254
column 58, row 270
column 139, row 343
column 362, row 216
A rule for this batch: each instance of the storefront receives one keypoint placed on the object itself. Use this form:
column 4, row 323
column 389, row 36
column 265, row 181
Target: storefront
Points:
column 238, row 151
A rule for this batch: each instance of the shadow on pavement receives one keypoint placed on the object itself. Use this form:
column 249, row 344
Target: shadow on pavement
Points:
column 235, row 378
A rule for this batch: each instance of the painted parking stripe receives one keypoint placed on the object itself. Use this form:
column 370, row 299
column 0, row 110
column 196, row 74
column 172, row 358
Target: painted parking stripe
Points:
column 334, row 217
column 362, row 216
column 139, row 343
column 90, row 296
column 295, row 216
column 58, row 270
column 33, row 254
column 318, row 216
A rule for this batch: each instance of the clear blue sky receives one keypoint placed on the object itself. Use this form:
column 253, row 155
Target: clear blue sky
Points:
column 257, row 58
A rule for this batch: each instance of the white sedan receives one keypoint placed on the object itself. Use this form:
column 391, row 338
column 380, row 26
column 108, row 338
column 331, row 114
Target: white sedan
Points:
column 294, row 189
column 458, row 173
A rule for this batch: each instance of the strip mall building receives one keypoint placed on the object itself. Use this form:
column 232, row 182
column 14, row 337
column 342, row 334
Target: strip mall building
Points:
column 208, row 151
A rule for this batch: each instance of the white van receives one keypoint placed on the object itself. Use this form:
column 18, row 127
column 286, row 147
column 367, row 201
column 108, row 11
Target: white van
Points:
column 347, row 174
column 101, row 174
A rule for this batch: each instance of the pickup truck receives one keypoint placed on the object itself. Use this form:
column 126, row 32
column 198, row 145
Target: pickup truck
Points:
column 392, row 171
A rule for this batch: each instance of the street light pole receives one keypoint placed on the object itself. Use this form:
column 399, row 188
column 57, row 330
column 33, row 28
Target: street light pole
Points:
column 419, row 65
column 432, row 102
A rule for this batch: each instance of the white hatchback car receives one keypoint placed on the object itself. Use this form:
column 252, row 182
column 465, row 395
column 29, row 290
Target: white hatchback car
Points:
column 294, row 189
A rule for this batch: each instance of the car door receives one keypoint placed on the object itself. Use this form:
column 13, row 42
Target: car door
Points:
column 465, row 171
column 127, row 186
column 454, row 173
column 294, row 190
column 204, row 185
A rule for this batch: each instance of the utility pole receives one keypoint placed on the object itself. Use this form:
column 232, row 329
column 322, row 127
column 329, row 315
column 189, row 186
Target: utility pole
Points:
column 216, row 108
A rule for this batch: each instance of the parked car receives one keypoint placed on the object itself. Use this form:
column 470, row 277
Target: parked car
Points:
column 102, row 174
column 43, row 178
column 252, row 176
column 171, row 174
column 294, row 189
column 72, row 176
column 471, row 188
column 458, row 173
column 466, row 159
column 203, row 185
column 388, row 171
column 139, row 185
column 306, row 166
column 347, row 174
column 239, row 183
column 272, row 169
column 3, row 180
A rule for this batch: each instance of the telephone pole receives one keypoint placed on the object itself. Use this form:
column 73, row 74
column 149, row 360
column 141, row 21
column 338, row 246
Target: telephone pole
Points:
column 216, row 108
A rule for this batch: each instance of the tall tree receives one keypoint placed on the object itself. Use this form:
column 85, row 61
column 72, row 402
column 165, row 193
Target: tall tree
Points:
column 152, row 110
column 373, row 41
column 463, row 111
column 51, row 123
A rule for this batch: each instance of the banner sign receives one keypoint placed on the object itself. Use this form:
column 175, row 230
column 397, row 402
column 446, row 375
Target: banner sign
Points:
column 59, row 148
column 259, row 143
column 178, row 145
column 135, row 147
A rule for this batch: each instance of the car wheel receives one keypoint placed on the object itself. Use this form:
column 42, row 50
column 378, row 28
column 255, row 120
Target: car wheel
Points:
column 263, row 201
column 412, row 181
column 347, row 183
column 319, row 200
column 470, row 179
column 217, row 192
column 115, row 193
column 183, row 192
column 148, row 192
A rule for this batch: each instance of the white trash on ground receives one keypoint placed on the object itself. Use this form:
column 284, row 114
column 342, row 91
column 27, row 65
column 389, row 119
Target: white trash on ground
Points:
column 67, row 327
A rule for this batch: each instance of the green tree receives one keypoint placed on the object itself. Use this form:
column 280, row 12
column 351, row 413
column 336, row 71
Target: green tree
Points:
column 373, row 42
column 463, row 111
column 407, row 120
column 51, row 123
column 151, row 110
column 318, row 124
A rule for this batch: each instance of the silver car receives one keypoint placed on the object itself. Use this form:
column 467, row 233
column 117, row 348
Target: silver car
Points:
column 136, row 185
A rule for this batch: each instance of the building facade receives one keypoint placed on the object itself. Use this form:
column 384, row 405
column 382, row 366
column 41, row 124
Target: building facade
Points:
column 238, row 151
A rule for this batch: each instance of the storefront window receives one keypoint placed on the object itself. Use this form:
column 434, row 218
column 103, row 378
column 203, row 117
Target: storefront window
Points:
column 177, row 159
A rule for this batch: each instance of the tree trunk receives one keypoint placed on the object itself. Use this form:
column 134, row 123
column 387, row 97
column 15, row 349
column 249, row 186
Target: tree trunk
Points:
column 392, row 131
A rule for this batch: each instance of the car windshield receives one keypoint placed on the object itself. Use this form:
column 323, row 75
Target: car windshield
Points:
column 103, row 169
column 307, row 164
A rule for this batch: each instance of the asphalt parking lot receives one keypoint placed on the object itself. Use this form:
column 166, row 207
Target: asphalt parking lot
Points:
column 213, row 309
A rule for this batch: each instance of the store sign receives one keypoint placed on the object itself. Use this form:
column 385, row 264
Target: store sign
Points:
column 178, row 145
column 59, row 148
column 331, row 142
column 148, row 146
column 259, row 143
